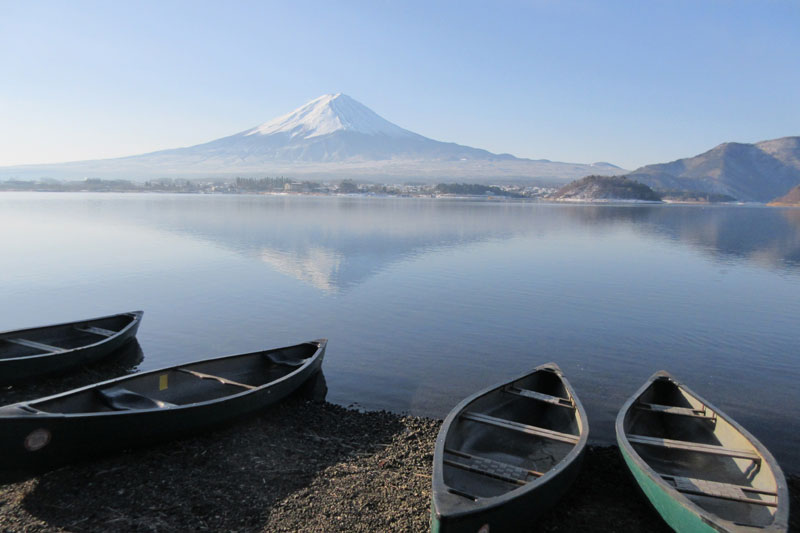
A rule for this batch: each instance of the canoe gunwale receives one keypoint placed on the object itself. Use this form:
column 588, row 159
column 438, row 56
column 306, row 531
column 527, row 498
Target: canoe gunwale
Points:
column 27, row 405
column 781, row 519
column 137, row 317
column 484, row 504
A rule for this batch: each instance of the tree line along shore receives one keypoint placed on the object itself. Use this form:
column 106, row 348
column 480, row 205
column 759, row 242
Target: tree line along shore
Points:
column 588, row 189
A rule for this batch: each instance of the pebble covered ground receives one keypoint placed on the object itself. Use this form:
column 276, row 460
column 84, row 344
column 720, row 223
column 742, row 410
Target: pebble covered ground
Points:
column 302, row 465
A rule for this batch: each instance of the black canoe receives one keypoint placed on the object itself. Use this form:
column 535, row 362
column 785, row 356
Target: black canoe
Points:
column 700, row 469
column 150, row 407
column 27, row 353
column 507, row 454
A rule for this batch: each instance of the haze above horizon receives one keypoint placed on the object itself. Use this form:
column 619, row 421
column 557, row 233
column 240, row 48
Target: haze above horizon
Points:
column 628, row 82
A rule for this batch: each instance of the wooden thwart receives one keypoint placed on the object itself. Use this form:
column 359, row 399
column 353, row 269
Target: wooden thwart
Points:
column 533, row 395
column 97, row 331
column 465, row 455
column 523, row 428
column 36, row 345
column 694, row 447
column 216, row 378
column 723, row 491
column 489, row 467
column 463, row 494
column 673, row 410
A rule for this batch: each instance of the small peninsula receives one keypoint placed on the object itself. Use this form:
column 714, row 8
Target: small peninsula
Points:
column 606, row 189
column 792, row 198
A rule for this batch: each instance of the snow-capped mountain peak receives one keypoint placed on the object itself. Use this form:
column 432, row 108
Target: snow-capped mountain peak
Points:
column 328, row 114
column 328, row 138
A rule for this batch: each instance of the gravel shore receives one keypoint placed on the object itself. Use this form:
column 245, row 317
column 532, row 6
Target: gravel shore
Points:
column 302, row 465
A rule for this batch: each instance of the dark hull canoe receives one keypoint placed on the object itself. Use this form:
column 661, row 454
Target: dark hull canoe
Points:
column 150, row 407
column 35, row 352
column 507, row 454
column 700, row 469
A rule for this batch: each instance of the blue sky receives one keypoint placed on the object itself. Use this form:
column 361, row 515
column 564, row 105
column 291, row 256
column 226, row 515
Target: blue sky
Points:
column 629, row 82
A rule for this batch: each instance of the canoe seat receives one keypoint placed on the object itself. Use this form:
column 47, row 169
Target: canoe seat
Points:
column 533, row 395
column 35, row 345
column 523, row 428
column 489, row 467
column 694, row 447
column 97, row 331
column 723, row 491
column 121, row 399
column 673, row 410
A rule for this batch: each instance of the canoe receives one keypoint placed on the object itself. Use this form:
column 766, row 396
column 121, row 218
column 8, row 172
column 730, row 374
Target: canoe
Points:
column 27, row 353
column 507, row 453
column 149, row 407
column 700, row 469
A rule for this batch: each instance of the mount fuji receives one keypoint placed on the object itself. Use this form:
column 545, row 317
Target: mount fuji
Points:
column 329, row 137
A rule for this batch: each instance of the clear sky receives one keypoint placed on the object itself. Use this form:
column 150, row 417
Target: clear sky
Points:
column 629, row 82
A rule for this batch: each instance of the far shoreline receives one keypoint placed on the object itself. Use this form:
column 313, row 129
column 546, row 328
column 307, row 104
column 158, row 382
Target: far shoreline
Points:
column 540, row 200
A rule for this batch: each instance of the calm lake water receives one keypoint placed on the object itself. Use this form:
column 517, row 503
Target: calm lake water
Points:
column 425, row 301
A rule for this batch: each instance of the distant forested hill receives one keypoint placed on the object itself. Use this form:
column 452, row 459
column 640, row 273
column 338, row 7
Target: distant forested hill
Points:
column 606, row 188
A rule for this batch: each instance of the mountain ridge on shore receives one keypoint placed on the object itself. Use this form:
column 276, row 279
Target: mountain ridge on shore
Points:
column 335, row 137
column 792, row 198
column 756, row 172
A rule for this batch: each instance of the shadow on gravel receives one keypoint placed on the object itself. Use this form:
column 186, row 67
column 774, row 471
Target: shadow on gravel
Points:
column 604, row 497
column 224, row 480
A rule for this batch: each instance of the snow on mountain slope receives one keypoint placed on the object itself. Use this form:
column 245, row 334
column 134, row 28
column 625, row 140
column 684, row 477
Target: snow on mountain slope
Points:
column 333, row 128
column 328, row 114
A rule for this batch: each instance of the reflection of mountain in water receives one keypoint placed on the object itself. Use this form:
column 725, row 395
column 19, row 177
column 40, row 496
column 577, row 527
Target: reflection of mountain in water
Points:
column 333, row 243
column 315, row 265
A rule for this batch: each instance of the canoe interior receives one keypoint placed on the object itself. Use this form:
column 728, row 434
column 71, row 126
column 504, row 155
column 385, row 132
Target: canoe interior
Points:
column 187, row 384
column 500, row 459
column 689, row 470
column 48, row 339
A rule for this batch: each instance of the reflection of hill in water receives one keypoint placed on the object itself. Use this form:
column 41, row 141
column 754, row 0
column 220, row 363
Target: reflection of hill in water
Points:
column 768, row 236
column 335, row 243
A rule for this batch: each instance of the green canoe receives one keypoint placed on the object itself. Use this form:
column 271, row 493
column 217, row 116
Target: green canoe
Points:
column 701, row 470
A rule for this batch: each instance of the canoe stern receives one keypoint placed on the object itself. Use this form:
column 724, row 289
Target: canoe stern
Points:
column 677, row 516
column 506, row 513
